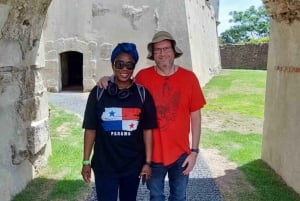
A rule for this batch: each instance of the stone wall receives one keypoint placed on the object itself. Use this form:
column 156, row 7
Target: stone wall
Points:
column 249, row 56
column 25, row 142
column 28, row 59
column 281, row 131
column 24, row 145
column 97, row 26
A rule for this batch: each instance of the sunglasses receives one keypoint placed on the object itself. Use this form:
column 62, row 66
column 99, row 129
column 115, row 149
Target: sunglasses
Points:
column 121, row 64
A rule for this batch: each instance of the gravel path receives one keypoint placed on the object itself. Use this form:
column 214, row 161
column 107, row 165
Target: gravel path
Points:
column 201, row 187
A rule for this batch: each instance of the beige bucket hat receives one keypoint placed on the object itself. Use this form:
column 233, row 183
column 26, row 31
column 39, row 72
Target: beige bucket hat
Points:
column 160, row 36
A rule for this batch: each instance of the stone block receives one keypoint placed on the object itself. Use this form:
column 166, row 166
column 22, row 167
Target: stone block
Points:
column 41, row 107
column 90, row 71
column 59, row 45
column 88, row 84
column 92, row 47
column 51, row 55
column 26, row 109
column 49, row 45
column 39, row 136
column 52, row 85
column 82, row 46
column 52, row 64
column 105, row 51
column 70, row 43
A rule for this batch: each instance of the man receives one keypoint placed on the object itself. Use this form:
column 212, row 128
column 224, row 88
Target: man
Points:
column 178, row 100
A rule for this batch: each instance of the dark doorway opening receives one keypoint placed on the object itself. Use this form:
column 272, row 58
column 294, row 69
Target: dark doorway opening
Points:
column 71, row 71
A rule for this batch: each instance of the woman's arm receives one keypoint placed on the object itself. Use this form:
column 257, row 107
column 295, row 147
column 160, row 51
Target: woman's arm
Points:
column 146, row 170
column 89, row 140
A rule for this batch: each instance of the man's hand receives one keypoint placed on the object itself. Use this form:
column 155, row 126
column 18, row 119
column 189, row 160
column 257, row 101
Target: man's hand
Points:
column 189, row 163
column 103, row 82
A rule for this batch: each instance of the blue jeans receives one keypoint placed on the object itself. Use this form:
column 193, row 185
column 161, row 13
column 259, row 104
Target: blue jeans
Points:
column 177, row 181
column 108, row 187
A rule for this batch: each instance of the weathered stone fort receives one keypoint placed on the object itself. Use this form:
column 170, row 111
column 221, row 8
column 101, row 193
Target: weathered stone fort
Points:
column 53, row 45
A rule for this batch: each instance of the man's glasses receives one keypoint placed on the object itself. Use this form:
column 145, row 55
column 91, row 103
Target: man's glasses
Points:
column 121, row 64
column 163, row 49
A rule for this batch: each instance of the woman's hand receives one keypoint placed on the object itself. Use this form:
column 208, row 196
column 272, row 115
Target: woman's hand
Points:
column 86, row 173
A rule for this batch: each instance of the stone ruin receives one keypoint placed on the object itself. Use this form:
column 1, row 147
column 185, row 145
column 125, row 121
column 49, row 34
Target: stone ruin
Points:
column 281, row 139
column 38, row 41
column 32, row 62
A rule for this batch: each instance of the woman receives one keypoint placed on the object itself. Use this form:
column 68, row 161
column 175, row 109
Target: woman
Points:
column 118, row 124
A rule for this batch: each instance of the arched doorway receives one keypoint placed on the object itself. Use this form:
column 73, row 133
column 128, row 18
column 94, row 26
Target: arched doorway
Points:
column 71, row 71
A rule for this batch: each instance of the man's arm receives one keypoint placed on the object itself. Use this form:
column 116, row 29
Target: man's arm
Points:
column 103, row 81
column 196, row 128
column 190, row 161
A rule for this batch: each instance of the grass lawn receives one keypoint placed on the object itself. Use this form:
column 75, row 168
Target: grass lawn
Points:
column 242, row 93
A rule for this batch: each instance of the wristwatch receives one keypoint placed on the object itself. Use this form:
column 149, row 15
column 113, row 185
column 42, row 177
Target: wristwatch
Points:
column 148, row 163
column 195, row 150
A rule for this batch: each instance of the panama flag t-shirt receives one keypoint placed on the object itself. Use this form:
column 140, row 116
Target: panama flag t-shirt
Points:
column 120, row 119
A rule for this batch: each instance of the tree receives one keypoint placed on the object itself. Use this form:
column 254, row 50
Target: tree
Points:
column 249, row 24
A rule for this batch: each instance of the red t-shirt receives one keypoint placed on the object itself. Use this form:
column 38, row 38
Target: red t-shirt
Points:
column 175, row 97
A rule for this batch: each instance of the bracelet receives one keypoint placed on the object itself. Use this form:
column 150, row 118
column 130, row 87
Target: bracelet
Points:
column 86, row 162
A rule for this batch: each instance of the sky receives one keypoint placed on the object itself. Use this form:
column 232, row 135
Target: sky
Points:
column 226, row 6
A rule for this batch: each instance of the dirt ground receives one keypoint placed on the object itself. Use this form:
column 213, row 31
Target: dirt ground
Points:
column 229, row 179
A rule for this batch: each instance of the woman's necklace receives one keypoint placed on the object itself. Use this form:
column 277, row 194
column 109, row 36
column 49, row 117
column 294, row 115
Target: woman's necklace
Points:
column 163, row 73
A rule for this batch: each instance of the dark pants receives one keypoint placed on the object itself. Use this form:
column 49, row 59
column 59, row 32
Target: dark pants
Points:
column 108, row 187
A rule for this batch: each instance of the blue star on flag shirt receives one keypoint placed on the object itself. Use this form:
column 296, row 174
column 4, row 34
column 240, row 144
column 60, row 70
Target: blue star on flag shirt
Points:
column 117, row 119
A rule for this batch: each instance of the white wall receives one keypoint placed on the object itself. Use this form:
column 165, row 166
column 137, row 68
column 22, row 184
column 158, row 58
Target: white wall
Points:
column 203, row 40
column 106, row 23
column 281, row 134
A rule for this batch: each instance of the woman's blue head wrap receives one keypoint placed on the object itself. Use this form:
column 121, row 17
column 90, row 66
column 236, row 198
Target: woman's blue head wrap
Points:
column 129, row 48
